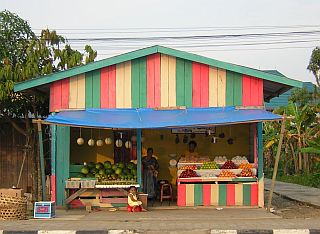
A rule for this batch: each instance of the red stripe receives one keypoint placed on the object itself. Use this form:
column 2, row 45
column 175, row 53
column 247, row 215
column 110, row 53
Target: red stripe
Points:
column 181, row 201
column 112, row 86
column 260, row 93
column 206, row 195
column 157, row 81
column 65, row 93
column 231, row 195
column 204, row 85
column 246, row 90
column 56, row 97
column 150, row 80
column 254, row 91
column 254, row 195
column 104, row 88
column 53, row 188
column 51, row 106
column 196, row 81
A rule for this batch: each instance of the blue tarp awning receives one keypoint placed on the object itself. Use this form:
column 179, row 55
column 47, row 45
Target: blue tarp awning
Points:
column 144, row 118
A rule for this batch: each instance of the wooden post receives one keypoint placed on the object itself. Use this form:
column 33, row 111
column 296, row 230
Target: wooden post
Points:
column 53, row 162
column 276, row 163
column 43, row 175
column 139, row 152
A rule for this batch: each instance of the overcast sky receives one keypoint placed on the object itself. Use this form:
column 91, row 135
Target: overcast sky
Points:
column 120, row 18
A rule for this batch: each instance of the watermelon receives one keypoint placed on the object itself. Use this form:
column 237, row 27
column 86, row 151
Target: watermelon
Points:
column 107, row 165
column 85, row 170
column 99, row 165
column 94, row 171
column 91, row 165
column 134, row 172
column 118, row 171
column 125, row 171
column 130, row 165
column 109, row 171
column 102, row 172
column 121, row 165
column 90, row 175
column 114, row 167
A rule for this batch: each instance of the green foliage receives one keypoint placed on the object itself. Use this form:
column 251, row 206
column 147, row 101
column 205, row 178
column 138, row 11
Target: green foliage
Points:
column 302, row 96
column 314, row 64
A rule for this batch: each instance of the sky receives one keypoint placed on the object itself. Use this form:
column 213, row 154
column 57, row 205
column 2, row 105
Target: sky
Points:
column 287, row 53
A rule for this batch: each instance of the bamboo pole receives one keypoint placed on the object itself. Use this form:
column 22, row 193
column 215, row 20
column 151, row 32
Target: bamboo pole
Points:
column 276, row 163
column 43, row 176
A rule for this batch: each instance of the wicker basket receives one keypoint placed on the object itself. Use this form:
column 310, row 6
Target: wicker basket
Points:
column 17, row 213
column 12, row 201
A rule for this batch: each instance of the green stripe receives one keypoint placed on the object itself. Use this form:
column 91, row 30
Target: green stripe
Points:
column 180, row 80
column 89, row 103
column 260, row 150
column 237, row 90
column 230, row 89
column 246, row 194
column 96, row 89
column 143, row 82
column 222, row 195
column 188, row 83
column 135, row 83
column 63, row 162
column 198, row 190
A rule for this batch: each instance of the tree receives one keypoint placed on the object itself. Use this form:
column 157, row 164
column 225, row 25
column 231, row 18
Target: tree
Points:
column 24, row 56
column 314, row 64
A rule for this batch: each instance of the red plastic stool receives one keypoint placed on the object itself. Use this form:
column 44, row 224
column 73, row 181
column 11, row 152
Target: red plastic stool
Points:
column 137, row 209
column 166, row 192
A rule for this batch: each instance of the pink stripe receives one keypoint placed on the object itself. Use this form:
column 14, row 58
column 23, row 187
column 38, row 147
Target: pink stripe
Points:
column 65, row 83
column 254, row 194
column 53, row 188
column 104, row 88
column 181, row 201
column 56, row 102
column 112, row 86
column 231, row 195
column 196, row 81
column 150, row 81
column 206, row 195
column 204, row 85
column 157, row 80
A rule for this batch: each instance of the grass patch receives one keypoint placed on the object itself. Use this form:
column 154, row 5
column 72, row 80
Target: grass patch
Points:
column 310, row 180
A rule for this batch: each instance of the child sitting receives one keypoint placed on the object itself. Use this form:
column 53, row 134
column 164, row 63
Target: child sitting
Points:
column 134, row 205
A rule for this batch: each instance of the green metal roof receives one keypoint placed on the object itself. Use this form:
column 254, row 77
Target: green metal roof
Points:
column 148, row 51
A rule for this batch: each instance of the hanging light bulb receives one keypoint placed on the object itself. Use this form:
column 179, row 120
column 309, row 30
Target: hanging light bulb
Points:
column 91, row 141
column 108, row 141
column 99, row 142
column 128, row 144
column 80, row 140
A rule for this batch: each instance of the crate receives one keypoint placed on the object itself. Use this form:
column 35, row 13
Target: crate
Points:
column 11, row 192
column 44, row 210
column 72, row 184
column 88, row 183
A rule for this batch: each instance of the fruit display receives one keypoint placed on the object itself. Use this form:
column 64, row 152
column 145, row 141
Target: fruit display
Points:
column 188, row 174
column 226, row 173
column 208, row 166
column 220, row 159
column 240, row 160
column 246, row 173
column 229, row 165
column 194, row 159
column 245, row 166
column 191, row 167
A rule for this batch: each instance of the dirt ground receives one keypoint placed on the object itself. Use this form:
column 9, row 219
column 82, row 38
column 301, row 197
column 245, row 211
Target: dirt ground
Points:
column 288, row 209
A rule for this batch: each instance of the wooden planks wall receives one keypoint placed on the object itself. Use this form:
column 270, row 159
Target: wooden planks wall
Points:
column 252, row 91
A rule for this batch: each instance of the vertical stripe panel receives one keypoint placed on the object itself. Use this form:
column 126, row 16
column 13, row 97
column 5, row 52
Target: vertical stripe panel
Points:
column 89, row 90
column 96, row 88
column 143, row 82
column 206, row 194
column 254, row 91
column 255, row 143
column 73, row 92
column 65, row 93
column 204, row 99
column 135, row 83
column 260, row 93
column 81, row 100
column 231, row 195
column 157, row 80
column 222, row 83
column 261, row 192
column 51, row 106
column 188, row 83
column 230, row 89
column 198, row 196
column 213, row 87
column 246, row 90
column 164, row 80
column 222, row 194
column 237, row 89
column 238, row 194
column 214, row 194
column 181, row 195
column 120, row 76
column 151, row 81
column 246, row 194
column 172, row 81
column 254, row 195
column 180, row 76
column 57, row 92
column 189, row 194
column 104, row 87
column 127, row 85
column 196, row 82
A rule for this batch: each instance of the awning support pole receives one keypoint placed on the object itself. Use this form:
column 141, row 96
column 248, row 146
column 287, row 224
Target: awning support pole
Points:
column 43, row 176
column 276, row 163
column 139, row 156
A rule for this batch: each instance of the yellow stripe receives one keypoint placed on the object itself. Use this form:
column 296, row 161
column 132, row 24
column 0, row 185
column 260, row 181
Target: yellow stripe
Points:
column 239, row 194
column 213, row 87
column 81, row 100
column 189, row 194
column 73, row 92
column 214, row 194
column 222, row 79
column 172, row 81
column 261, row 192
column 164, row 92
column 127, row 85
column 120, row 77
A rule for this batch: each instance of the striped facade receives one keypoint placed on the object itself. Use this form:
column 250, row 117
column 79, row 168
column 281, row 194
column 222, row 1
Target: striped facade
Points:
column 156, row 80
column 240, row 194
